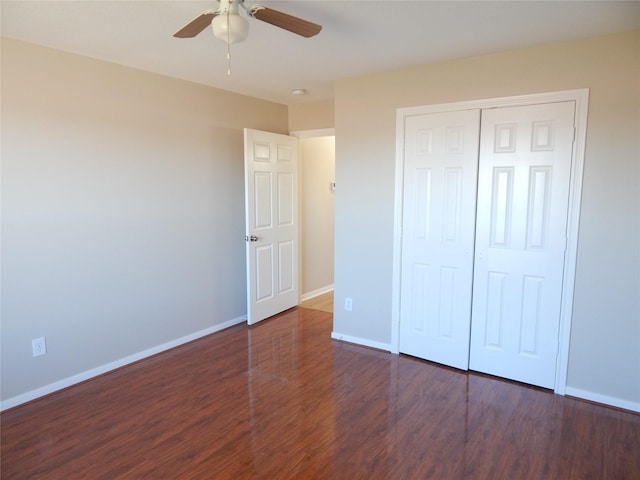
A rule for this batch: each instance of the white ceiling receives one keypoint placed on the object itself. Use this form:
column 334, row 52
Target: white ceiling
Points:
column 358, row 37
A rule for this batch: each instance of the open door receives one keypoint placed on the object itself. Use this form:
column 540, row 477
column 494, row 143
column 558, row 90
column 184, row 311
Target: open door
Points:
column 271, row 206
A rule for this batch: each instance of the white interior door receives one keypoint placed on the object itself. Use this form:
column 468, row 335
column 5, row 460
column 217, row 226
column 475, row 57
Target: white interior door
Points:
column 271, row 203
column 523, row 191
column 440, row 173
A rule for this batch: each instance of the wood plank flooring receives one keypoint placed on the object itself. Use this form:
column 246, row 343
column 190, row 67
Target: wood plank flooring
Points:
column 281, row 400
column 323, row 302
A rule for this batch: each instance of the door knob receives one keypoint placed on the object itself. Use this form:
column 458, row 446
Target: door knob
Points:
column 251, row 238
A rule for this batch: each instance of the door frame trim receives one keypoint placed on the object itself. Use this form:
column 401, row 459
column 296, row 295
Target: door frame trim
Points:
column 581, row 99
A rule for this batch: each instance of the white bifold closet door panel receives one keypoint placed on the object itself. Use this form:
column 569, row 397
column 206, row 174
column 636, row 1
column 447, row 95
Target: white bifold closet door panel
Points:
column 523, row 191
column 440, row 174
column 485, row 204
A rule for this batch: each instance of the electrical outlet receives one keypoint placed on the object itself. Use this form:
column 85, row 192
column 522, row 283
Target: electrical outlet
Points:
column 39, row 346
column 348, row 304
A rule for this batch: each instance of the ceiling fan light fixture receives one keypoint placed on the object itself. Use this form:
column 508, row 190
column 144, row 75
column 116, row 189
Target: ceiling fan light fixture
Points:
column 230, row 27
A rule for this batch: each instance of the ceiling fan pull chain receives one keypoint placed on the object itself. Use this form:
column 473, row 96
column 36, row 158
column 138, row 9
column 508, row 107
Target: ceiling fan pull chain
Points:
column 228, row 48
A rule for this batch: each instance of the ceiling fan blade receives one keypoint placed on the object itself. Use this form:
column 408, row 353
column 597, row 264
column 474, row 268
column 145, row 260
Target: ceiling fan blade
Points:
column 286, row 21
column 195, row 26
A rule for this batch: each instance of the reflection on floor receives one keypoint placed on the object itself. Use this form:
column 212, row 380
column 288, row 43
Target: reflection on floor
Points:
column 323, row 302
column 281, row 400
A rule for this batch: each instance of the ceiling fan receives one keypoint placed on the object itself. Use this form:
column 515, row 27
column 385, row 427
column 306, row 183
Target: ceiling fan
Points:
column 230, row 27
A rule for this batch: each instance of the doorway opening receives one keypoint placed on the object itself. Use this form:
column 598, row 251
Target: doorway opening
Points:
column 316, row 153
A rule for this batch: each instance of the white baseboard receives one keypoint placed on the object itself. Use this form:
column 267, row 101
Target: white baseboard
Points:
column 315, row 293
column 604, row 399
column 574, row 392
column 361, row 341
column 94, row 372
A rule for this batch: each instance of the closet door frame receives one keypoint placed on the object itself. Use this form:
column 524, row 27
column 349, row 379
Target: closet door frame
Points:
column 581, row 99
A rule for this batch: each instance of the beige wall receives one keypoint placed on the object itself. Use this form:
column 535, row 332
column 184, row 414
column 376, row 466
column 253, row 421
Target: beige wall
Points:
column 317, row 171
column 311, row 116
column 122, row 211
column 605, row 339
column 122, row 194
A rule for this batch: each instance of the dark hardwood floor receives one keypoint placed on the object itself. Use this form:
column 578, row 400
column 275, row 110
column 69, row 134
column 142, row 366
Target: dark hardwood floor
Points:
column 281, row 400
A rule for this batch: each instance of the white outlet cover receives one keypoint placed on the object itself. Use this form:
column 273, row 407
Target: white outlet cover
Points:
column 38, row 346
column 348, row 304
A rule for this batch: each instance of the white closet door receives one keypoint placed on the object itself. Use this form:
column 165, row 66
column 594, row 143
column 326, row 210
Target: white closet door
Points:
column 440, row 172
column 523, row 190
